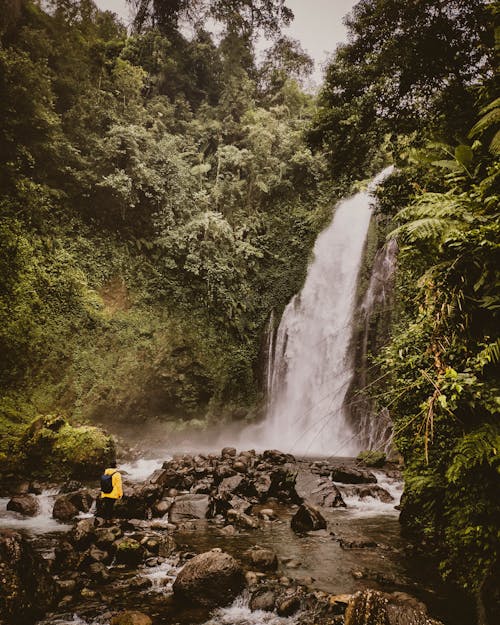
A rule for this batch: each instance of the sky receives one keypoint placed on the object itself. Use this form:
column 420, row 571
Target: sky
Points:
column 317, row 25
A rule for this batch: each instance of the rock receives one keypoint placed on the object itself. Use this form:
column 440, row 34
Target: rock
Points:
column 229, row 530
column 131, row 617
column 27, row 589
column 327, row 495
column 288, row 606
column 66, row 557
column 307, row 518
column 166, row 546
column 367, row 490
column 242, row 520
column 371, row 607
column 54, row 448
column 351, row 475
column 27, row 505
column 65, row 587
column 129, row 551
column 210, row 579
column 83, row 533
column 277, row 457
column 267, row 513
column 70, row 487
column 261, row 559
column 228, row 452
column 262, row 485
column 186, row 507
column 63, row 509
column 82, row 500
column 138, row 501
column 262, row 599
column 106, row 536
column 98, row 573
column 239, row 504
column 230, row 484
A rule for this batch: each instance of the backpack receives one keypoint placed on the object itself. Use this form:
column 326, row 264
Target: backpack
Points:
column 107, row 482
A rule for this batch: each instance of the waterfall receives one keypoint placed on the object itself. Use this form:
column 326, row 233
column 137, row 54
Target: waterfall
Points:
column 312, row 357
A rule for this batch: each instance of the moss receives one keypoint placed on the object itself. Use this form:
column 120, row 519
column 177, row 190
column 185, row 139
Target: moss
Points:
column 52, row 448
column 372, row 458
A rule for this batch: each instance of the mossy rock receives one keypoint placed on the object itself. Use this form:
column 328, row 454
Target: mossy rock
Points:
column 51, row 447
column 372, row 458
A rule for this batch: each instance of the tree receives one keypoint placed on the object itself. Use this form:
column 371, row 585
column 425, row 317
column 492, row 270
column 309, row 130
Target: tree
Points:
column 244, row 16
column 407, row 65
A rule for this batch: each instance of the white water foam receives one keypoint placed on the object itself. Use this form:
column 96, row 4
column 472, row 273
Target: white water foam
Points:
column 163, row 575
column 140, row 469
column 42, row 523
column 239, row 613
column 372, row 506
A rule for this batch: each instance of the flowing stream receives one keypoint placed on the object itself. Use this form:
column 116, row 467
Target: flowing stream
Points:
column 311, row 361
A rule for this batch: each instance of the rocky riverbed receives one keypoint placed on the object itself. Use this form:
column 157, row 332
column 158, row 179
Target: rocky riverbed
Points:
column 234, row 538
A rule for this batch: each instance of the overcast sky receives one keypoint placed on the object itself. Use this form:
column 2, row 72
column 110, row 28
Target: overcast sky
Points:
column 317, row 25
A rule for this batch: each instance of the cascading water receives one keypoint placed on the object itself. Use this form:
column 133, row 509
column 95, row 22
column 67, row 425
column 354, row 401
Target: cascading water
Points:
column 312, row 361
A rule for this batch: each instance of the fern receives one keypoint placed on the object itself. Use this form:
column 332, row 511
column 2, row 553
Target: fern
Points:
column 482, row 446
column 490, row 118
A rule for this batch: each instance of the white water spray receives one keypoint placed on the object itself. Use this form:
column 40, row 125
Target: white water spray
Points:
column 312, row 363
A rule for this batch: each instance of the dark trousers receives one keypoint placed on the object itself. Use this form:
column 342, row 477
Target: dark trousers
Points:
column 107, row 505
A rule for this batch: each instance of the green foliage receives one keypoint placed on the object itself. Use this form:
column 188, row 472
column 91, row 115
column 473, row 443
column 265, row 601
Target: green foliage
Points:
column 372, row 458
column 443, row 358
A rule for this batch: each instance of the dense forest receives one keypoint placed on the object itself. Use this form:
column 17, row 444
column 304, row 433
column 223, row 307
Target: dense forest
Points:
column 162, row 188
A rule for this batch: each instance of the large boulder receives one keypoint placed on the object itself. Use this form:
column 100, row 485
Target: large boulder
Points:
column 189, row 507
column 351, row 475
column 27, row 505
column 371, row 607
column 55, row 449
column 129, row 551
column 138, row 502
column 63, row 509
column 27, row 589
column 307, row 519
column 210, row 579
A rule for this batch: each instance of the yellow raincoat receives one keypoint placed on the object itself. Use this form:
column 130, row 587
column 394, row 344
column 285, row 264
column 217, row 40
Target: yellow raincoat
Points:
column 116, row 480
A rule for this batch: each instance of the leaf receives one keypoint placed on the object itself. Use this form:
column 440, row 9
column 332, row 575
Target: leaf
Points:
column 464, row 154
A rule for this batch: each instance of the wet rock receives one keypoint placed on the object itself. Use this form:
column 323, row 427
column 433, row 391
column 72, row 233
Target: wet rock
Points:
column 371, row 607
column 307, row 518
column 242, row 520
column 70, row 487
column 327, row 495
column 27, row 589
column 277, row 457
column 129, row 551
column 66, row 557
column 266, row 514
column 357, row 543
column 229, row 530
column 367, row 490
column 82, row 500
column 210, row 579
column 65, row 587
column 98, row 573
column 186, row 507
column 262, row 485
column 261, row 559
column 166, row 546
column 64, row 510
column 35, row 488
column 262, row 599
column 288, row 605
column 106, row 536
column 97, row 555
column 228, row 452
column 239, row 504
column 131, row 617
column 27, row 505
column 351, row 475
column 138, row 502
column 83, row 533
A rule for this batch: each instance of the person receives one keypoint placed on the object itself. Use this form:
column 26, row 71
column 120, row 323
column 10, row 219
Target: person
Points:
column 110, row 492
